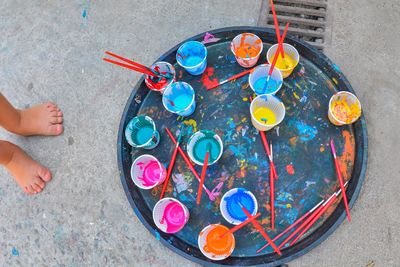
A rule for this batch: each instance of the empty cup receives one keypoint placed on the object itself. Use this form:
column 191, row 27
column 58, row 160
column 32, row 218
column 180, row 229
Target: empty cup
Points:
column 266, row 112
column 160, row 83
column 170, row 215
column 285, row 65
column 147, row 172
column 258, row 80
column 202, row 141
column 179, row 98
column 192, row 56
column 232, row 203
column 247, row 48
column 344, row 108
column 216, row 242
column 141, row 132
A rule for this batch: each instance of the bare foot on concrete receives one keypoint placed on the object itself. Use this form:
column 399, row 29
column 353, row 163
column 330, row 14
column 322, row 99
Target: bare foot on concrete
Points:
column 44, row 119
column 30, row 175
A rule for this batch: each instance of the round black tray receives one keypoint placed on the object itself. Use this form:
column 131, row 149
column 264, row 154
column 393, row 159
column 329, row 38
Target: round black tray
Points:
column 330, row 79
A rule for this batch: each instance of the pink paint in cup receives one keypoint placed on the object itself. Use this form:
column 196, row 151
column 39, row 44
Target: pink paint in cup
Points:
column 170, row 215
column 147, row 172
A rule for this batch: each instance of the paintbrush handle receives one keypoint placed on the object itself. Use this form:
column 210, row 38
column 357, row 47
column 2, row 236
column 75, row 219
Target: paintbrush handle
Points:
column 203, row 176
column 189, row 164
column 277, row 32
column 144, row 71
column 169, row 172
column 241, row 74
column 241, row 225
column 340, row 178
column 261, row 230
column 272, row 198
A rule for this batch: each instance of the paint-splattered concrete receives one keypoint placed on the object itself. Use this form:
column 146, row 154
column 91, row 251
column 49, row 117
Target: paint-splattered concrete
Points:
column 52, row 50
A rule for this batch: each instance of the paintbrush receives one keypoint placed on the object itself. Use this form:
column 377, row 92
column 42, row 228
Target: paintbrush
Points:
column 340, row 178
column 135, row 66
column 292, row 226
column 203, row 173
column 272, row 194
column 277, row 31
column 241, row 74
column 171, row 164
column 260, row 229
column 239, row 226
column 271, row 69
column 309, row 219
column 210, row 194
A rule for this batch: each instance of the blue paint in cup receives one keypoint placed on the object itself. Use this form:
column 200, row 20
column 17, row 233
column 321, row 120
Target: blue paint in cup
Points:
column 192, row 56
column 231, row 204
column 141, row 132
column 179, row 98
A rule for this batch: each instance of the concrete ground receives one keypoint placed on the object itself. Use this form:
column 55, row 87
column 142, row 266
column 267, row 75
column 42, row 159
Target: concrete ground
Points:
column 52, row 50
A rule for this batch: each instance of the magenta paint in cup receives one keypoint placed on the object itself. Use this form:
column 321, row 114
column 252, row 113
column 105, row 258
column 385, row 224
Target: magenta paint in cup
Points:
column 147, row 172
column 170, row 215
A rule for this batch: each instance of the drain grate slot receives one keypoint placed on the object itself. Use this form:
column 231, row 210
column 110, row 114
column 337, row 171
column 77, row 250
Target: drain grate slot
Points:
column 308, row 19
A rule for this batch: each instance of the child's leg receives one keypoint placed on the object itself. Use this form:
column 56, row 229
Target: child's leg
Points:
column 44, row 119
column 29, row 174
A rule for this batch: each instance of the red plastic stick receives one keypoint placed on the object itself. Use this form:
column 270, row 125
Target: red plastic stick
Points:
column 291, row 226
column 239, row 226
column 271, row 69
column 141, row 70
column 266, row 147
column 277, row 32
column 261, row 230
column 272, row 199
column 203, row 175
column 170, row 168
column 340, row 178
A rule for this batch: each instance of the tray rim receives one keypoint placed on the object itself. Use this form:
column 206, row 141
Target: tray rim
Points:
column 339, row 211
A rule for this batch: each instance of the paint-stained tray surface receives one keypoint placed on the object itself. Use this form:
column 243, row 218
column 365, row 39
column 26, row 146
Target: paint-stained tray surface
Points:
column 300, row 143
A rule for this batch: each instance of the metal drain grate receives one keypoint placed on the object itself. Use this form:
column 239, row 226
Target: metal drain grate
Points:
column 308, row 19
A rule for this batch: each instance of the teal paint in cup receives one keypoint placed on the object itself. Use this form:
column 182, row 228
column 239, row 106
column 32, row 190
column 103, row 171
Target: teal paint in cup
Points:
column 192, row 56
column 202, row 141
column 141, row 132
column 179, row 98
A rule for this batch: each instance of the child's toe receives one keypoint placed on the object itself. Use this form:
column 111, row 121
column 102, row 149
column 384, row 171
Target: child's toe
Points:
column 56, row 129
column 56, row 120
column 30, row 190
column 36, row 188
column 44, row 174
column 39, row 182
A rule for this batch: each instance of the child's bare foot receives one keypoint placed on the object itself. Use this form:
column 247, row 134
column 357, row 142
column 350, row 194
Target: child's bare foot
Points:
column 44, row 119
column 29, row 174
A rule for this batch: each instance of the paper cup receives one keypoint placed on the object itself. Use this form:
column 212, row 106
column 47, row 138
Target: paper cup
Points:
column 289, row 64
column 170, row 215
column 157, row 83
column 198, row 144
column 344, row 108
column 266, row 112
column 258, row 80
column 212, row 245
column 141, row 132
column 247, row 48
column 179, row 98
column 147, row 172
column 231, row 209
column 192, row 56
